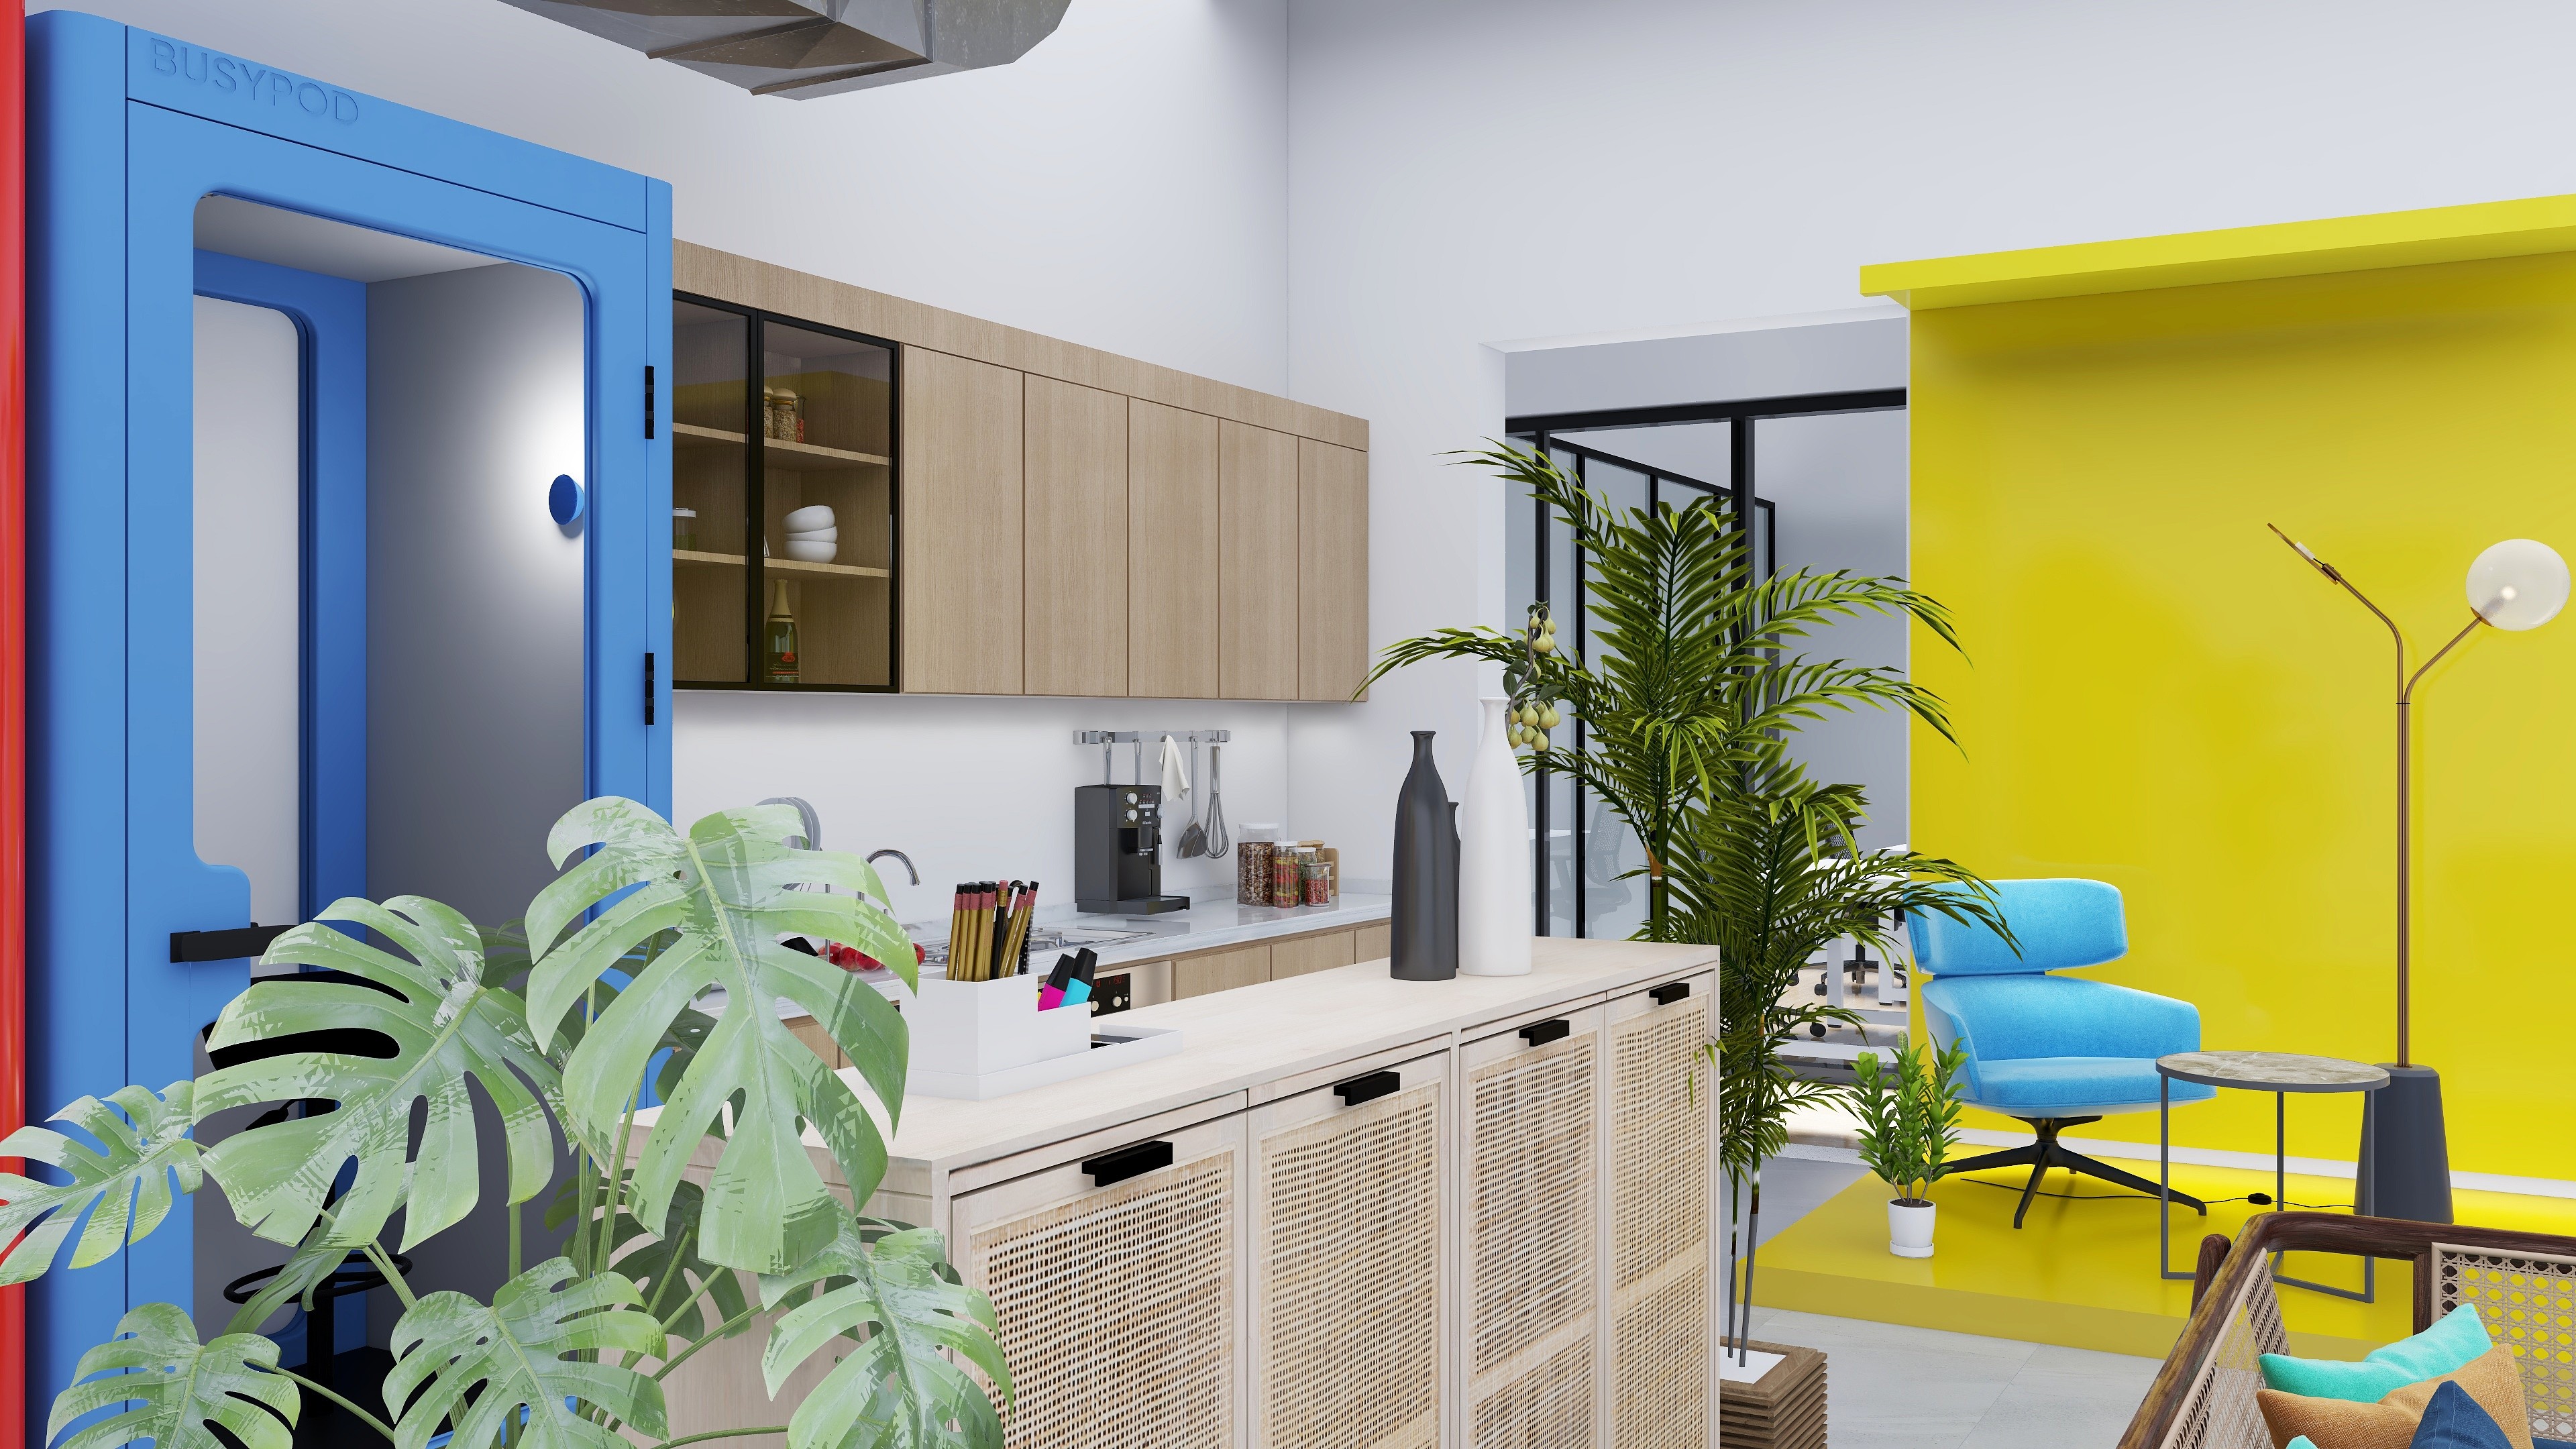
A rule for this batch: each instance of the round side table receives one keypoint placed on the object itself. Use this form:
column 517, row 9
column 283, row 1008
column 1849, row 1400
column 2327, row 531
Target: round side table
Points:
column 2279, row 1073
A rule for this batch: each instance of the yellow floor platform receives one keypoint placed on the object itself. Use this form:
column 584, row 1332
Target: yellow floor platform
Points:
column 2082, row 1273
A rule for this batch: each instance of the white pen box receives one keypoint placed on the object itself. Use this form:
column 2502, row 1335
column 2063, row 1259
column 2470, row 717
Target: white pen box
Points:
column 980, row 1039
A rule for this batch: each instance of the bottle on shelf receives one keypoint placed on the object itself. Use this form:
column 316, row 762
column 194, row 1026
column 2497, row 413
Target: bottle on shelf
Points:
column 782, row 638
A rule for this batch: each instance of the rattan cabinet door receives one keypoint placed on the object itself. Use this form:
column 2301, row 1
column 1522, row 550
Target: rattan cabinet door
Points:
column 1661, row 1339
column 1531, row 1239
column 1120, row 1307
column 1349, row 1198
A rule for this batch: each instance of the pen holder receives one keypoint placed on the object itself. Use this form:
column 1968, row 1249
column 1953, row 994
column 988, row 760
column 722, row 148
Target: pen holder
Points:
column 980, row 1027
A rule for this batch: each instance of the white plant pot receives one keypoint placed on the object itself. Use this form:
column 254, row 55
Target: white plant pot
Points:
column 1909, row 1229
column 1493, row 858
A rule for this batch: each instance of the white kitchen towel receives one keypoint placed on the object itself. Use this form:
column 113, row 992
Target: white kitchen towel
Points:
column 1176, row 779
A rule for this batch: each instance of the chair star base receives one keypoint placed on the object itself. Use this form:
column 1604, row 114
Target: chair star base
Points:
column 2047, row 1152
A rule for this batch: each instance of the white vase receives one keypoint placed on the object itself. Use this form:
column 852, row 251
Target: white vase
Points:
column 1494, row 858
column 1909, row 1229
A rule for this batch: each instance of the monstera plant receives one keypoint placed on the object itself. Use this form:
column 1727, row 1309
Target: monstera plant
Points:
column 559, row 1022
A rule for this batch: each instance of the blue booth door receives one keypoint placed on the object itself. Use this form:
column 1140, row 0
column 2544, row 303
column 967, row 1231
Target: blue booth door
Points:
column 467, row 663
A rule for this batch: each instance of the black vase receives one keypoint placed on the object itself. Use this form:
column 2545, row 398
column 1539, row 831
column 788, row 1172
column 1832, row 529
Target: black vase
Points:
column 1425, row 929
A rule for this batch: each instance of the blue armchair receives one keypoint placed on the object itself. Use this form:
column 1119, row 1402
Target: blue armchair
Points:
column 2054, row 1051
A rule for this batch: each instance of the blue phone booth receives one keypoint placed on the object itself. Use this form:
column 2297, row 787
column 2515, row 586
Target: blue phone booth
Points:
column 311, row 612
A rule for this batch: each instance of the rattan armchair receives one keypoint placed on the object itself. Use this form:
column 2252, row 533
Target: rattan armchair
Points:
column 2523, row 1284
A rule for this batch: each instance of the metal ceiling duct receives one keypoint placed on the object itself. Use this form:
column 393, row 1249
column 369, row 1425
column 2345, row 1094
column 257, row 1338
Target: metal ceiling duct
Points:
column 808, row 48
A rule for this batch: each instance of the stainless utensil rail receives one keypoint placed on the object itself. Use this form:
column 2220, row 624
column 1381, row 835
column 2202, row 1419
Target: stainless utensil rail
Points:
column 1141, row 738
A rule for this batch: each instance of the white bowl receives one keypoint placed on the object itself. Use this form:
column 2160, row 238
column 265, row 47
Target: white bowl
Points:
column 812, row 516
column 811, row 552
column 814, row 535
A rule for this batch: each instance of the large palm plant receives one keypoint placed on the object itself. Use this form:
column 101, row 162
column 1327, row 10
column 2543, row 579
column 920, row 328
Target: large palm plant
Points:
column 1688, row 694
column 570, row 1353
column 1690, row 685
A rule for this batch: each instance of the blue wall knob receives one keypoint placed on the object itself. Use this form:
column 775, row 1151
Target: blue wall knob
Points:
column 563, row 500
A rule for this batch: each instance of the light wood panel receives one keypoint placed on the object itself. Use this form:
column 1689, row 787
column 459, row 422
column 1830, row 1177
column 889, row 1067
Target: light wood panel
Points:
column 1374, row 943
column 961, row 525
column 749, row 282
column 1074, row 548
column 1257, row 556
column 1304, row 954
column 1332, row 570
column 1219, row 971
column 1173, row 529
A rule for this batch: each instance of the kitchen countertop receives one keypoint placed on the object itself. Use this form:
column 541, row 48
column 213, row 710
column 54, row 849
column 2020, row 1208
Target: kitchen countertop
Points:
column 1234, row 1041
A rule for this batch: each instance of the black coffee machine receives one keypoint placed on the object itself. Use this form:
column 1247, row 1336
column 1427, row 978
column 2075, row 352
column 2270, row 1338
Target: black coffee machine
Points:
column 1117, row 839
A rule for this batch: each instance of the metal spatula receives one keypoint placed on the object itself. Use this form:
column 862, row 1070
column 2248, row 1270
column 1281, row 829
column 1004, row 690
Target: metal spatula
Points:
column 1193, row 839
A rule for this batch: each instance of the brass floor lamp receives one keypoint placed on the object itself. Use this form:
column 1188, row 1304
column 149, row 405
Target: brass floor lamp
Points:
column 2405, row 1154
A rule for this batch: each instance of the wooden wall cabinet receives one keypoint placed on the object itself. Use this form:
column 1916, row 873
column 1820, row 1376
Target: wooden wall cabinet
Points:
column 1173, row 597
column 1332, row 570
column 1075, row 514
column 1070, row 522
column 1257, row 560
column 962, row 496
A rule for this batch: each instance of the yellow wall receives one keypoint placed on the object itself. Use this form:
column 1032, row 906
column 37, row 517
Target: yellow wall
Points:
column 2160, row 695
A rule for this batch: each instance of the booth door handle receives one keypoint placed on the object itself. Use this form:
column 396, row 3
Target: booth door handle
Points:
column 1670, row 992
column 1127, row 1162
column 188, row 946
column 1540, row 1033
column 1368, row 1088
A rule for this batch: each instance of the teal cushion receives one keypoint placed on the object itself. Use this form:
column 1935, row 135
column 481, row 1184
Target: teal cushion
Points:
column 2301, row 1442
column 2446, row 1347
column 2453, row 1420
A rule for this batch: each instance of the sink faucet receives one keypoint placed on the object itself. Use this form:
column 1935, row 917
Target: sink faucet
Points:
column 908, row 867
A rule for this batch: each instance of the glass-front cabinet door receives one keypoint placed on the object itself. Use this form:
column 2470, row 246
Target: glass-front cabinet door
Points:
column 782, row 502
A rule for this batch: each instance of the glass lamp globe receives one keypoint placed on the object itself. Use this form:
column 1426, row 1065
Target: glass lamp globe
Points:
column 2518, row 584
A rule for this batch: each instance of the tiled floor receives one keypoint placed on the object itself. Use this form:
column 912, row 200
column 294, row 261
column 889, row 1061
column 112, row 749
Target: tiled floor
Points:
column 1890, row 1387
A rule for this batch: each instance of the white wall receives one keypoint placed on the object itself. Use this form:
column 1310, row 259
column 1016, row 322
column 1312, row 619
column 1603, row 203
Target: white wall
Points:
column 1123, row 186
column 1465, row 172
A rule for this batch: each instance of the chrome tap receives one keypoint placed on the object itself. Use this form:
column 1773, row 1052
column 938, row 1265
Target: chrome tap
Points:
column 908, row 867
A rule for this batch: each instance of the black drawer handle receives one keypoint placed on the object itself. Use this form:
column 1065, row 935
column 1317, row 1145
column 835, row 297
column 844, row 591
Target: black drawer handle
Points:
column 1670, row 992
column 1368, row 1088
column 1128, row 1162
column 1540, row 1033
column 187, row 946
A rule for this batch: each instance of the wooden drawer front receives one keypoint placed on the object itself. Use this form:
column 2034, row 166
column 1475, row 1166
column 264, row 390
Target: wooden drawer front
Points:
column 1660, row 1211
column 1347, row 1208
column 1311, row 953
column 1533, row 1257
column 1373, row 943
column 1119, row 1311
column 1219, row 971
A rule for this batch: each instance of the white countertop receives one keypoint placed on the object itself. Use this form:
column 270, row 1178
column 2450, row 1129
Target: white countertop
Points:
column 1234, row 1040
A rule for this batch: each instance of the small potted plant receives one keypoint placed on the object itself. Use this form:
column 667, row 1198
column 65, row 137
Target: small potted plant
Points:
column 1909, row 1120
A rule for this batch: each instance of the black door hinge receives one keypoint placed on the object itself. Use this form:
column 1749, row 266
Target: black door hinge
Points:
column 648, row 688
column 648, row 400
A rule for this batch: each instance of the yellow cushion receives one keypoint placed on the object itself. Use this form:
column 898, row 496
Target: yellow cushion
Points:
column 2489, row 1379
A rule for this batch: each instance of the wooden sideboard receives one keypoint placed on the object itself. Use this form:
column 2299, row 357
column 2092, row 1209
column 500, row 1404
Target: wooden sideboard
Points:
column 1506, row 1239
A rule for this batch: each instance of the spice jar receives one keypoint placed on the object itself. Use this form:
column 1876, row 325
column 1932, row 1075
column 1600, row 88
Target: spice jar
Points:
column 1287, row 877
column 684, row 528
column 1252, row 872
column 1319, row 882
